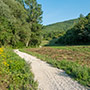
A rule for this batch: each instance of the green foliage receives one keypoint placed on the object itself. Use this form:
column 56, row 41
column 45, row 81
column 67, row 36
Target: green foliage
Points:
column 15, row 73
column 58, row 29
column 16, row 25
column 79, row 34
column 34, row 19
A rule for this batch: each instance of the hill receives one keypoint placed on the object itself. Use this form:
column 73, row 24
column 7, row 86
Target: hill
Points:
column 56, row 29
column 79, row 34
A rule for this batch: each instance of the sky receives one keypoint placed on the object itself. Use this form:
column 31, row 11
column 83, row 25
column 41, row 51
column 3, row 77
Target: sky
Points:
column 61, row 10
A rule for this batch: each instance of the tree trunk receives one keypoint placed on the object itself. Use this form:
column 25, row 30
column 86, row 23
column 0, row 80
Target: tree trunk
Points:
column 27, row 43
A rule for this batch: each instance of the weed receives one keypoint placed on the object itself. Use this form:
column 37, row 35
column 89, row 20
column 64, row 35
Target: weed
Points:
column 15, row 73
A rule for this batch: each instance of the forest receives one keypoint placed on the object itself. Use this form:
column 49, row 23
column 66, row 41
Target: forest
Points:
column 20, row 23
column 57, row 29
column 79, row 34
column 71, row 32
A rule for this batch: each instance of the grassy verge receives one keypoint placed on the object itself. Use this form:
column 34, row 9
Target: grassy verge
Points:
column 77, row 71
column 15, row 73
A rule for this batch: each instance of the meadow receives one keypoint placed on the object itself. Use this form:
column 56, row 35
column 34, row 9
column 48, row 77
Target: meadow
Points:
column 75, row 60
column 15, row 73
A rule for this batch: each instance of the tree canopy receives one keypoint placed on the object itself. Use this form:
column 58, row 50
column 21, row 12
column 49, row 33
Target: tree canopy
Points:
column 20, row 26
column 79, row 34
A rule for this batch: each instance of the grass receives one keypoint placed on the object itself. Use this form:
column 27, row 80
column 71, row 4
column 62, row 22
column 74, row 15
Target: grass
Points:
column 82, row 48
column 75, row 60
column 15, row 73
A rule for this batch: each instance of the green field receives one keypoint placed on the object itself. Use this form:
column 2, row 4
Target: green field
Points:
column 75, row 60
column 81, row 48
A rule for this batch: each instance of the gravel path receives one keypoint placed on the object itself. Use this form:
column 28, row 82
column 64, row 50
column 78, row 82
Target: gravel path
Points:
column 48, row 77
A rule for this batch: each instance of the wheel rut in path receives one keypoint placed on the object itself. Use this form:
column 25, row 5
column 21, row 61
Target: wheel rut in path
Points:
column 48, row 77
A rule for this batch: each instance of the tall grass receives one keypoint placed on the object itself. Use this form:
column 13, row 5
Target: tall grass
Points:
column 15, row 73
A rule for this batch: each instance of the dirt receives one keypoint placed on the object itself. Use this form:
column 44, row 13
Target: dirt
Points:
column 61, row 54
column 48, row 77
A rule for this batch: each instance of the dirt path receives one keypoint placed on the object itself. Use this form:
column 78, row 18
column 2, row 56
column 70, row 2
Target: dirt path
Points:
column 48, row 77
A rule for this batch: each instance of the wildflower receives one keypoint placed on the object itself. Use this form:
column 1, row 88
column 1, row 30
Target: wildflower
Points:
column 1, row 50
column 5, row 63
column 3, row 56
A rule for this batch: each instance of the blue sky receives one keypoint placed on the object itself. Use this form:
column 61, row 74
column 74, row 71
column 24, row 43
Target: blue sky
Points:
column 61, row 10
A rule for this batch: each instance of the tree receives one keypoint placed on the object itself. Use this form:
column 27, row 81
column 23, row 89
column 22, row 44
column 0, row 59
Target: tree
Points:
column 17, row 26
column 13, row 20
column 81, row 16
column 34, row 20
column 79, row 34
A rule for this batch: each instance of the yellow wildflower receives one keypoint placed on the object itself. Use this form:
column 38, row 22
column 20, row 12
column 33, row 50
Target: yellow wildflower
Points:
column 3, row 56
column 7, row 64
column 4, row 62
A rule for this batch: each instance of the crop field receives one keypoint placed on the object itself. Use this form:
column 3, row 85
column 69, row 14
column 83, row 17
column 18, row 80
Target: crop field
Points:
column 15, row 73
column 75, row 60
column 71, row 53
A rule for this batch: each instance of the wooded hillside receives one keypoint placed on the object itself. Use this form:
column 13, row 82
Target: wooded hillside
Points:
column 58, row 29
column 79, row 34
